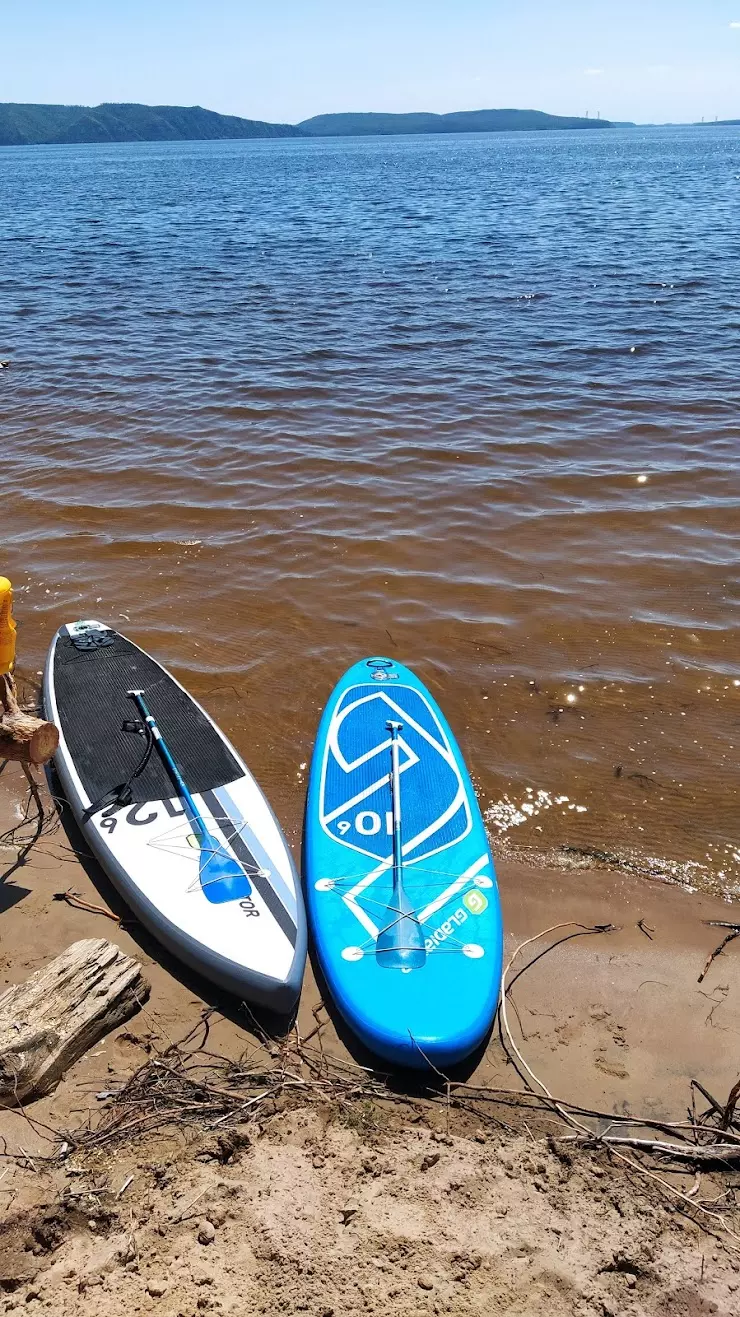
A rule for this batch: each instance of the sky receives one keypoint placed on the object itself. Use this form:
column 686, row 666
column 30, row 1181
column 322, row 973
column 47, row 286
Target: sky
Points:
column 644, row 60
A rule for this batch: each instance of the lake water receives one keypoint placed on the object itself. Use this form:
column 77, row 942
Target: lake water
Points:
column 471, row 401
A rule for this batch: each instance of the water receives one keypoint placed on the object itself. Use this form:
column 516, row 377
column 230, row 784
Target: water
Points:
column 471, row 401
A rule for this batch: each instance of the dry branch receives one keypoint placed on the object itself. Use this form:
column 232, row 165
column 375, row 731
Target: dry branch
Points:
column 734, row 932
column 728, row 1115
column 727, row 1154
column 78, row 902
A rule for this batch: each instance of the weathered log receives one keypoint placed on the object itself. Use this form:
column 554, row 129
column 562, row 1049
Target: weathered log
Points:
column 23, row 737
column 50, row 1020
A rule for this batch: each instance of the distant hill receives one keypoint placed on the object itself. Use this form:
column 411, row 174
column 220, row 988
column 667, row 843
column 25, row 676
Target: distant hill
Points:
column 37, row 124
column 27, row 125
column 463, row 121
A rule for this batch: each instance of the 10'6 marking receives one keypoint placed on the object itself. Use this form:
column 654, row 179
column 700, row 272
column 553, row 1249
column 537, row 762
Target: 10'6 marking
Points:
column 367, row 823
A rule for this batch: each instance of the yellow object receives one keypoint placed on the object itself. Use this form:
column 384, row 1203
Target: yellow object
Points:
column 7, row 626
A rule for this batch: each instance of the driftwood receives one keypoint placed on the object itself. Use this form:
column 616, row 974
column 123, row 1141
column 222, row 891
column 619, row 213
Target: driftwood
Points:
column 23, row 737
column 50, row 1020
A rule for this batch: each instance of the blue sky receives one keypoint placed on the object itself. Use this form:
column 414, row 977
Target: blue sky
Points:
column 649, row 60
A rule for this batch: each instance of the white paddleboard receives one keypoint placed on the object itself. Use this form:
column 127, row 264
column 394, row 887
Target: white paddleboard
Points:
column 248, row 935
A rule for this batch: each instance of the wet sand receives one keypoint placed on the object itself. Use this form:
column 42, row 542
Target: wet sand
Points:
column 615, row 1021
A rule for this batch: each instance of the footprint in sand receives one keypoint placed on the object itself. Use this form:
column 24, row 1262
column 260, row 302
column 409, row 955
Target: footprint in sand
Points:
column 614, row 1068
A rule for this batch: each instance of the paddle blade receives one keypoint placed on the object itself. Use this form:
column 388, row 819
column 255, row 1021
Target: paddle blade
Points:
column 400, row 943
column 221, row 875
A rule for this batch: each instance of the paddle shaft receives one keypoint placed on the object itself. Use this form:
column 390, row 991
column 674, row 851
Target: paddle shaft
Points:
column 170, row 765
column 394, row 729
column 400, row 945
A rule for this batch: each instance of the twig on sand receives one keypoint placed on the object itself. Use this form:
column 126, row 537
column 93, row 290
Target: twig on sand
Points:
column 728, row 1115
column 727, row 1154
column 446, row 1081
column 15, row 838
column 28, row 1158
column 714, row 1104
column 319, row 1023
column 250, row 1102
column 734, row 932
column 78, row 902
column 182, row 1215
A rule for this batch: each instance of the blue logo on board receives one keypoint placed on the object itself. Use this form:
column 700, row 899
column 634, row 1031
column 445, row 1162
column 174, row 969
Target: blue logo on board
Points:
column 356, row 803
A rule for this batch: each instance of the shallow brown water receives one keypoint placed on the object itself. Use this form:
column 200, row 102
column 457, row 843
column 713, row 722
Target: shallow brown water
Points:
column 472, row 402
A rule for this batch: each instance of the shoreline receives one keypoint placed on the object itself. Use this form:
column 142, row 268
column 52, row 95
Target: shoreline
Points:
column 618, row 1016
column 465, row 1206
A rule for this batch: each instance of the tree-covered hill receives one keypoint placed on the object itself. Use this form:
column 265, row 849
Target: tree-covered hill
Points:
column 53, row 124
column 29, row 124
column 463, row 121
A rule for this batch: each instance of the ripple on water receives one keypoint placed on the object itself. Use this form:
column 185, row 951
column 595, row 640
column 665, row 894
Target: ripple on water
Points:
column 472, row 401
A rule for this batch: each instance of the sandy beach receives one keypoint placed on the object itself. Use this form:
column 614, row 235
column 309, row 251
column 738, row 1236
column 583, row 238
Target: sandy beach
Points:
column 461, row 1204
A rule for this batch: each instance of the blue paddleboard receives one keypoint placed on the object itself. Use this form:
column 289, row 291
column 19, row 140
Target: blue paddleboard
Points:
column 401, row 886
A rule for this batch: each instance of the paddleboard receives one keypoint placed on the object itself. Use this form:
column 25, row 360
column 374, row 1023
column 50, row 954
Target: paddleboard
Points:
column 247, row 931
column 414, row 966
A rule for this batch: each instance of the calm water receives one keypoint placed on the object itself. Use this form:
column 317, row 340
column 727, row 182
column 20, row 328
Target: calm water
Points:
column 471, row 401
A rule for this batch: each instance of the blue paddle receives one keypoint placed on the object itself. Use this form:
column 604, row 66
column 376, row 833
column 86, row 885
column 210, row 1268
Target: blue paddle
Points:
column 400, row 943
column 221, row 875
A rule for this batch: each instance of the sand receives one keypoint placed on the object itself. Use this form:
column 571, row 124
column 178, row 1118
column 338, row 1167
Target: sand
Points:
column 387, row 1207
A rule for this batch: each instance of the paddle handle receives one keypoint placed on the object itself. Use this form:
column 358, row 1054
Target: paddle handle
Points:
column 171, row 766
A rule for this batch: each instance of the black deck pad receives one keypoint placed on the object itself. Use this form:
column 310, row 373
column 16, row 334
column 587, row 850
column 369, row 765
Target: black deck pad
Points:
column 91, row 687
